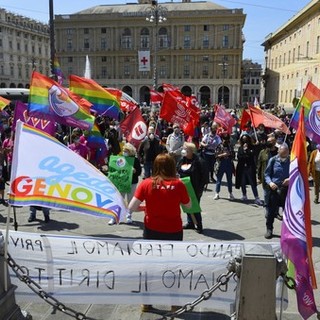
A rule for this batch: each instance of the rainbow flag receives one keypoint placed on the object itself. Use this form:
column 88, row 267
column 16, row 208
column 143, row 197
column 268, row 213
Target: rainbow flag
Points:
column 49, row 100
column 57, row 70
column 296, row 237
column 95, row 138
column 104, row 103
column 3, row 103
column 83, row 189
column 310, row 101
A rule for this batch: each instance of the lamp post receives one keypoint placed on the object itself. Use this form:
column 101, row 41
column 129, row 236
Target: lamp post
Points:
column 156, row 14
column 224, row 69
column 52, row 43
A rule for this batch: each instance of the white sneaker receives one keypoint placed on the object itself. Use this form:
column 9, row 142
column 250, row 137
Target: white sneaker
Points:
column 258, row 201
column 216, row 197
column 231, row 196
column 129, row 219
column 244, row 198
column 111, row 222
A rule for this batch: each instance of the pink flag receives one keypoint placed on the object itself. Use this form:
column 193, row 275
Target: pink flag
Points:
column 224, row 118
column 296, row 237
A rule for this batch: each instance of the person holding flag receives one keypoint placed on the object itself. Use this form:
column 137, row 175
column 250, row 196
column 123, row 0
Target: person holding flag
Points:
column 277, row 179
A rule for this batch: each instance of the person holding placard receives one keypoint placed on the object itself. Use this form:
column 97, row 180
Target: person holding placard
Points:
column 190, row 166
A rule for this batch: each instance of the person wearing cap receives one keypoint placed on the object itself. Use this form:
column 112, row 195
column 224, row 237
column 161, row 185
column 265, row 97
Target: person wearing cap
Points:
column 174, row 143
column 277, row 178
column 314, row 171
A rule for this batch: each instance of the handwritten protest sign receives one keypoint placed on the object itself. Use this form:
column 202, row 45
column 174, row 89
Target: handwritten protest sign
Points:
column 112, row 271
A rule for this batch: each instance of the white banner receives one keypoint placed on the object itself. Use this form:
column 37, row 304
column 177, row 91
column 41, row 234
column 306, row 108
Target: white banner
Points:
column 144, row 60
column 120, row 271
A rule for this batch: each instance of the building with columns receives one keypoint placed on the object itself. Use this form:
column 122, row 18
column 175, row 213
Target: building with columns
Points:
column 292, row 56
column 196, row 46
column 24, row 47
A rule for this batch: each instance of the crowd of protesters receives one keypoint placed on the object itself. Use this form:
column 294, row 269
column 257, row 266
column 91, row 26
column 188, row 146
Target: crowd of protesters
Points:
column 250, row 155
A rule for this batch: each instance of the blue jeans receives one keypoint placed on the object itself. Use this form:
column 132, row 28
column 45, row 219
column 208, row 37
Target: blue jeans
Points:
column 33, row 211
column 147, row 169
column 225, row 167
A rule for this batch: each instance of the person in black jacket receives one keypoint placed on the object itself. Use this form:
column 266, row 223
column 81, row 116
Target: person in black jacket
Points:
column 246, row 168
column 191, row 166
column 148, row 150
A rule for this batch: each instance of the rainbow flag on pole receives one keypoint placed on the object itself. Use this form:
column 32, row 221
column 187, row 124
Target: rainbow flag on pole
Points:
column 296, row 237
column 310, row 101
column 57, row 70
column 48, row 100
column 104, row 103
column 3, row 103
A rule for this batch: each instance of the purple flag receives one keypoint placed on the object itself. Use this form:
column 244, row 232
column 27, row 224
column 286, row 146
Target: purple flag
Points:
column 21, row 113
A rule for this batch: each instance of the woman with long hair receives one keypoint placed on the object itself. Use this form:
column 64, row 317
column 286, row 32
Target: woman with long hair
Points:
column 163, row 194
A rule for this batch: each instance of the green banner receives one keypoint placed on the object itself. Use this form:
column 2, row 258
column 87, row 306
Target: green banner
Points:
column 195, row 207
column 120, row 172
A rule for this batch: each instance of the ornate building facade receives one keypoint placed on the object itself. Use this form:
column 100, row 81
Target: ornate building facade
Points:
column 198, row 47
column 24, row 46
column 292, row 56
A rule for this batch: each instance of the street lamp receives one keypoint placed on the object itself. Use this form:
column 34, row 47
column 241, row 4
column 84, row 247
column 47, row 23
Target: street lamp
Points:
column 156, row 14
column 224, row 69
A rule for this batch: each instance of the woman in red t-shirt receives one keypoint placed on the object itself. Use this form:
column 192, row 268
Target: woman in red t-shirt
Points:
column 163, row 194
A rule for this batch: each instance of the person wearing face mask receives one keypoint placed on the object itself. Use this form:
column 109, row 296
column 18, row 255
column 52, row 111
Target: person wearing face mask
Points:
column 246, row 169
column 277, row 179
column 174, row 143
column 224, row 156
column 191, row 166
column 148, row 151
column 314, row 171
column 78, row 147
column 208, row 147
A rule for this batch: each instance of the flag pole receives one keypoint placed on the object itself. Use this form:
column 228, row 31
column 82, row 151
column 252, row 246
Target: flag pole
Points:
column 5, row 270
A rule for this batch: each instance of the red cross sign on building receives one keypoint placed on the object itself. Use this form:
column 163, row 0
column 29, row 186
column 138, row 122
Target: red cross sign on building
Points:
column 144, row 60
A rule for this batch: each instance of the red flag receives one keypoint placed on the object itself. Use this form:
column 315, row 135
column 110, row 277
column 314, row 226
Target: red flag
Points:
column 245, row 117
column 224, row 118
column 174, row 109
column 156, row 97
column 259, row 116
column 134, row 127
column 169, row 87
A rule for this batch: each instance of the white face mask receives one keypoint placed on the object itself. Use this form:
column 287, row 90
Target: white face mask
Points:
column 183, row 152
column 125, row 154
column 151, row 136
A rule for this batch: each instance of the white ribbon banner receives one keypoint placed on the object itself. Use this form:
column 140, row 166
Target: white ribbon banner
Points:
column 119, row 271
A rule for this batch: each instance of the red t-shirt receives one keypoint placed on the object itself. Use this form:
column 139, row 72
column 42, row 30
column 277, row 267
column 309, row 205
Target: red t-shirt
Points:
column 163, row 204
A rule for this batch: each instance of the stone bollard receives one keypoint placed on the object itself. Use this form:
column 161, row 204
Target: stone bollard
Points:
column 256, row 293
column 9, row 309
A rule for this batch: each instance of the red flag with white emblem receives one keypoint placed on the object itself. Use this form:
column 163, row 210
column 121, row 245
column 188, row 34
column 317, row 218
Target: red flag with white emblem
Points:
column 134, row 127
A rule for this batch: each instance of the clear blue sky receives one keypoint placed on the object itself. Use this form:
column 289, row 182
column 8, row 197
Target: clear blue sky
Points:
column 263, row 17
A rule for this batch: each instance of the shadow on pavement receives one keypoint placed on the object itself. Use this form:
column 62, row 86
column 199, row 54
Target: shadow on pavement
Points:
column 57, row 225
column 221, row 234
